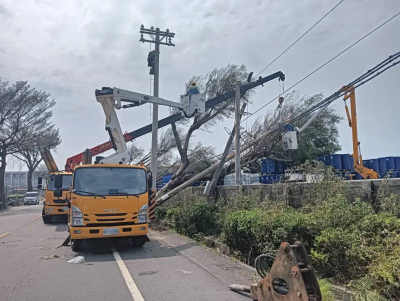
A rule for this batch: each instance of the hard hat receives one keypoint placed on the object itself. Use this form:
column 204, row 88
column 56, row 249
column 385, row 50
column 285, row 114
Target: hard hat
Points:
column 193, row 84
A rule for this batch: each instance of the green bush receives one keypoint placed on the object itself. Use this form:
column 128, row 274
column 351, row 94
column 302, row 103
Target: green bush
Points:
column 198, row 217
column 350, row 242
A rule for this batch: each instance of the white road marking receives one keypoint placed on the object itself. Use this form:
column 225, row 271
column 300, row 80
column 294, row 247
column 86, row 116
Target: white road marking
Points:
column 135, row 293
column 35, row 218
column 2, row 235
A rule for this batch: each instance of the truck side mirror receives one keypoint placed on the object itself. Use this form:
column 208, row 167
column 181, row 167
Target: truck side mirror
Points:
column 39, row 181
column 57, row 193
column 150, row 181
column 58, row 181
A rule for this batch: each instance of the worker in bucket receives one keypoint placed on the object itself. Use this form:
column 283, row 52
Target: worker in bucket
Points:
column 193, row 89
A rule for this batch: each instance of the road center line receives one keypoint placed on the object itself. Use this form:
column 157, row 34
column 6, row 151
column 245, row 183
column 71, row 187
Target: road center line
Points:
column 133, row 289
column 2, row 235
column 35, row 218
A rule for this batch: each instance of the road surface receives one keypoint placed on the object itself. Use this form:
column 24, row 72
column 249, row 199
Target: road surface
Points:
column 33, row 266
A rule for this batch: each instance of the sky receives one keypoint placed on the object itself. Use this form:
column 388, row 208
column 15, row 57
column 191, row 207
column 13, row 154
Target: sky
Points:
column 72, row 47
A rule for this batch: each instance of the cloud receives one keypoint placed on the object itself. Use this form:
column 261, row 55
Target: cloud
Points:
column 71, row 48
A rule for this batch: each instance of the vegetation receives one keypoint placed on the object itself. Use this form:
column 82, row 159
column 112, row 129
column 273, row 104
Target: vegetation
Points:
column 24, row 118
column 351, row 242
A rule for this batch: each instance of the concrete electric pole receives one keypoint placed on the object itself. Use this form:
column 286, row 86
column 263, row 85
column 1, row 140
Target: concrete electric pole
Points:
column 157, row 37
column 237, row 135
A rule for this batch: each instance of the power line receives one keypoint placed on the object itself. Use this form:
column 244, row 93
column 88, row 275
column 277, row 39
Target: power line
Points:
column 295, row 42
column 323, row 65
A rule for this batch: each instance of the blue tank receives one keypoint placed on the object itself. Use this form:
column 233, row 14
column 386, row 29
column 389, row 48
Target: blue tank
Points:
column 347, row 162
column 336, row 161
column 374, row 164
column 166, row 178
column 390, row 163
column 366, row 163
column 358, row 176
column 321, row 159
column 327, row 160
column 397, row 162
column 268, row 166
column 269, row 179
column 382, row 165
column 264, row 179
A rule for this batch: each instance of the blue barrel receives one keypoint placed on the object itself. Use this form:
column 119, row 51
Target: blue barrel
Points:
column 382, row 165
column 271, row 166
column 358, row 176
column 270, row 179
column 366, row 163
column 336, row 161
column 166, row 178
column 346, row 162
column 327, row 160
column 263, row 165
column 397, row 174
column 264, row 179
column 397, row 162
column 321, row 158
column 374, row 164
column 390, row 163
column 382, row 174
column 276, row 178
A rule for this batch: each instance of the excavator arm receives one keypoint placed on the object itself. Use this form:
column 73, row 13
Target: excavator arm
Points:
column 77, row 159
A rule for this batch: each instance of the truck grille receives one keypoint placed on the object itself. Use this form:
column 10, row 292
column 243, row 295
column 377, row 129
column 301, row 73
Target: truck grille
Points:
column 112, row 214
column 103, row 219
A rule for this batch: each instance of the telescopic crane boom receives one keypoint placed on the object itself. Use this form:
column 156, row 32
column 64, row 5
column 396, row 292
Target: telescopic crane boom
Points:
column 77, row 159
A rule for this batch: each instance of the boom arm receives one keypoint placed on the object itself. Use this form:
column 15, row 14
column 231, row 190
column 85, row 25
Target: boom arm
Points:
column 77, row 159
column 109, row 103
column 365, row 172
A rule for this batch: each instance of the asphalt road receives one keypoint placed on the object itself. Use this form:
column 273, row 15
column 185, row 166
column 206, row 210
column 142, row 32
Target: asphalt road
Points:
column 33, row 266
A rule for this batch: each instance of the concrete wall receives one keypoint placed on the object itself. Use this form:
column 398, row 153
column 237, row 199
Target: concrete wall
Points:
column 295, row 193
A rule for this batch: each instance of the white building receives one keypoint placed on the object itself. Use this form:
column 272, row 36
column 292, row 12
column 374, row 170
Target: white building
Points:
column 19, row 179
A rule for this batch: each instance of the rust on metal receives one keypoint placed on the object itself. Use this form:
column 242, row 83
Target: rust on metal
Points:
column 284, row 282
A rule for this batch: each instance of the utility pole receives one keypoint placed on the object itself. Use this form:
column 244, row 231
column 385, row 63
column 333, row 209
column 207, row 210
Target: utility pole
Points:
column 157, row 37
column 237, row 135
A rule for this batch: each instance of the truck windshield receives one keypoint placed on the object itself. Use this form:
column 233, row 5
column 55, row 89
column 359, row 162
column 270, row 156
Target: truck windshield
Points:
column 110, row 181
column 66, row 182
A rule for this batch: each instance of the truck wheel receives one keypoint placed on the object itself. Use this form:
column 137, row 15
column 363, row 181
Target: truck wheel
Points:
column 138, row 241
column 47, row 219
column 76, row 245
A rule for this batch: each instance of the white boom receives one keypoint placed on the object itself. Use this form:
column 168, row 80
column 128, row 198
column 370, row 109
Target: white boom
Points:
column 112, row 98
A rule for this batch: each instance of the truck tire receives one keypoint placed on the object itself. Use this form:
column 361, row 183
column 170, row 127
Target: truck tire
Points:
column 138, row 241
column 47, row 219
column 76, row 245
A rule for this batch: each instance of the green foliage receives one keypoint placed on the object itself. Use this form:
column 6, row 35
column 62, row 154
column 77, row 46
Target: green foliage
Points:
column 194, row 218
column 349, row 241
column 15, row 195
column 326, row 291
column 160, row 213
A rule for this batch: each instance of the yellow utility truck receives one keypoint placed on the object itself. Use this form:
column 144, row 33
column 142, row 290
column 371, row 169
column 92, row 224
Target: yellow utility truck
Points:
column 107, row 200
column 54, row 204
column 110, row 198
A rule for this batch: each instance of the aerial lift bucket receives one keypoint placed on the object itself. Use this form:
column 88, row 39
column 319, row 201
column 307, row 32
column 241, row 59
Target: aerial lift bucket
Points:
column 291, row 278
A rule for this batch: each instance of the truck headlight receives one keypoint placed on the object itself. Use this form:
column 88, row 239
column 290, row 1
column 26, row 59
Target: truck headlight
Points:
column 76, row 216
column 142, row 216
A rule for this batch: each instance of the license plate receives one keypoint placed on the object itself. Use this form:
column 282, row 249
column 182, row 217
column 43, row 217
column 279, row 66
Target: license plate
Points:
column 65, row 208
column 110, row 231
